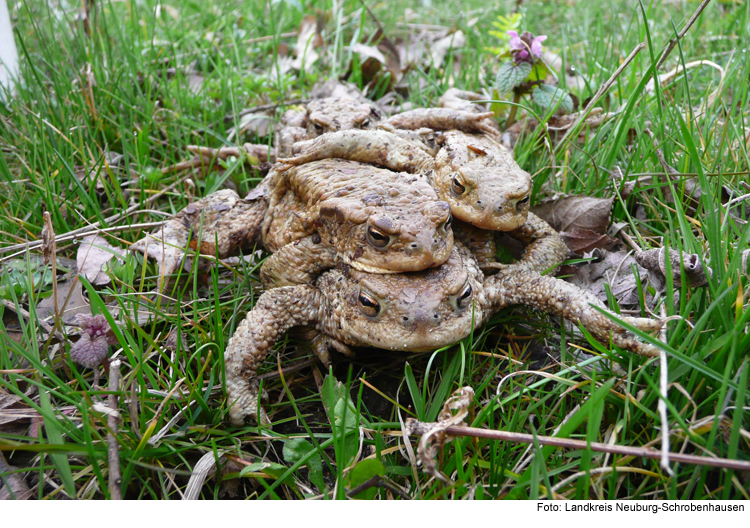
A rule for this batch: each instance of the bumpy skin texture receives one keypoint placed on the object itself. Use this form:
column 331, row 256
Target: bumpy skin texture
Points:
column 517, row 285
column 482, row 182
column 445, row 119
column 321, row 116
column 377, row 220
column 377, row 147
column 218, row 224
column 412, row 312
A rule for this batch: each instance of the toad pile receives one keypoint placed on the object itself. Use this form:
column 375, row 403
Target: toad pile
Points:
column 383, row 235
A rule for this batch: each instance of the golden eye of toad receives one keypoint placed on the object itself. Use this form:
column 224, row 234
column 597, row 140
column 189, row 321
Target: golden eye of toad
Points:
column 377, row 238
column 368, row 305
column 465, row 298
column 457, row 185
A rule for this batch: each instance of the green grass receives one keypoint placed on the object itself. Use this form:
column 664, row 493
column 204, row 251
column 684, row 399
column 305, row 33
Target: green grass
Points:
column 84, row 96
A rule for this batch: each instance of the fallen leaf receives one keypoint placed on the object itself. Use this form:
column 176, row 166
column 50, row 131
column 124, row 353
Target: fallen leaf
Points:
column 440, row 48
column 94, row 252
column 581, row 240
column 616, row 271
column 308, row 39
column 70, row 299
column 581, row 220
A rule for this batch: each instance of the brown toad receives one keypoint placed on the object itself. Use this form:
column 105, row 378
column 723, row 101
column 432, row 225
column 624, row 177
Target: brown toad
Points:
column 370, row 218
column 320, row 116
column 413, row 312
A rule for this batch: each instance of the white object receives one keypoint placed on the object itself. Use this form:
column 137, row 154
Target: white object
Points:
column 8, row 52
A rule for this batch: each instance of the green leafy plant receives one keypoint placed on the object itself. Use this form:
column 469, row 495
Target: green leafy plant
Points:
column 524, row 74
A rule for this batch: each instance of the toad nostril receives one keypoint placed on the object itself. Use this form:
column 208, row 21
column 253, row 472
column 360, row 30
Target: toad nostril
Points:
column 406, row 319
column 479, row 202
column 414, row 245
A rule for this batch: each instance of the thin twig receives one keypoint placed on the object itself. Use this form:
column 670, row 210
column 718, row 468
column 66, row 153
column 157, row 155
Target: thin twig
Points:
column 602, row 89
column 673, row 42
column 662, row 404
column 667, row 50
column 115, row 481
column 460, row 430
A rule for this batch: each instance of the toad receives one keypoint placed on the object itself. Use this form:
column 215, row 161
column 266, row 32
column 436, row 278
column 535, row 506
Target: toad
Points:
column 320, row 116
column 373, row 219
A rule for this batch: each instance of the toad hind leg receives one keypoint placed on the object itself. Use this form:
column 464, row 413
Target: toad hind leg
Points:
column 516, row 285
column 275, row 312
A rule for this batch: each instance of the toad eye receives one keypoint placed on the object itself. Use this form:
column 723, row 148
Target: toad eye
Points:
column 368, row 305
column 447, row 224
column 318, row 128
column 457, row 185
column 377, row 238
column 365, row 123
column 464, row 298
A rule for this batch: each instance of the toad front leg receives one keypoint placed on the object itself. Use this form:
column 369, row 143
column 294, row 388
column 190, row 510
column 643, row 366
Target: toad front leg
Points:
column 275, row 312
column 299, row 262
column 220, row 223
column 546, row 249
column 516, row 285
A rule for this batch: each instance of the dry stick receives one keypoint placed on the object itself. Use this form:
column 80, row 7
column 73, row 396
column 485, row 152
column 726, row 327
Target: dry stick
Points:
column 95, row 226
column 115, row 481
column 645, row 452
column 673, row 42
column 604, row 87
column 662, row 405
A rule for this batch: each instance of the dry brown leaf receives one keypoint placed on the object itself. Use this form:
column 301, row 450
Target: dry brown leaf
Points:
column 581, row 240
column 581, row 220
column 571, row 212
column 94, row 253
column 615, row 270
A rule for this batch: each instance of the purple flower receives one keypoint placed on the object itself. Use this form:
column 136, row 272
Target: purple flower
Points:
column 515, row 41
column 536, row 45
column 91, row 349
column 525, row 47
